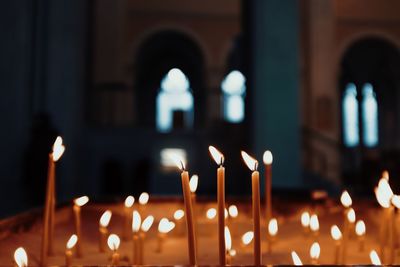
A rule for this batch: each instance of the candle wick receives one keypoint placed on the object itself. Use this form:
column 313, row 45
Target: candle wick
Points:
column 255, row 165
column 183, row 166
column 222, row 161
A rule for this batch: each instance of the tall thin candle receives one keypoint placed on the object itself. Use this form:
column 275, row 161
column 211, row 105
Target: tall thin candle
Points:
column 78, row 203
column 267, row 158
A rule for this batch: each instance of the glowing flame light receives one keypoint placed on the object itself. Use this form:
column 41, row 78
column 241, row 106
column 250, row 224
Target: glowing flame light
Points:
column 178, row 214
column 296, row 259
column 144, row 198
column 20, row 257
column 147, row 223
column 273, row 227
column 211, row 213
column 81, row 201
column 193, row 183
column 228, row 239
column 315, row 250
column 360, row 228
column 72, row 241
column 267, row 157
column 247, row 237
column 305, row 219
column 113, row 242
column 136, row 221
column 216, row 155
column 385, row 175
column 165, row 226
column 396, row 201
column 251, row 163
column 345, row 199
column 314, row 223
column 351, row 215
column 129, row 201
column 232, row 252
column 58, row 149
column 233, row 211
column 105, row 218
column 179, row 161
column 383, row 193
column 375, row 260
column 336, row 233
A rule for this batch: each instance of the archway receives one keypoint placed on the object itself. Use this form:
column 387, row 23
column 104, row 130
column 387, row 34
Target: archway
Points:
column 369, row 85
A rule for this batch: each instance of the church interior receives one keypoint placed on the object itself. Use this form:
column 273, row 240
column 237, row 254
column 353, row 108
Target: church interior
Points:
column 131, row 84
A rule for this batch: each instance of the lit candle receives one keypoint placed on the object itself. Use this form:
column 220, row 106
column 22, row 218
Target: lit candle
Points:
column 128, row 204
column 136, row 222
column 143, row 200
column 252, row 165
column 50, row 202
column 219, row 159
column 193, row 183
column 351, row 218
column 272, row 231
column 267, row 158
column 375, row 260
column 20, row 257
column 178, row 216
column 228, row 245
column 395, row 200
column 360, row 232
column 247, row 238
column 233, row 211
column 305, row 222
column 68, row 252
column 146, row 224
column 211, row 213
column 296, row 259
column 164, row 227
column 103, row 223
column 337, row 236
column 346, row 201
column 315, row 250
column 78, row 203
column 314, row 225
column 188, row 211
column 113, row 243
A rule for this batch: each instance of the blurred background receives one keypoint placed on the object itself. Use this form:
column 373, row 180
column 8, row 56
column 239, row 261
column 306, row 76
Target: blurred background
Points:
column 128, row 82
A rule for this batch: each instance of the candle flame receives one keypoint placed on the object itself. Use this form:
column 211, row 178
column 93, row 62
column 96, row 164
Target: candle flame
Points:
column 267, row 157
column 383, row 193
column 296, row 259
column 232, row 252
column 147, row 223
column 228, row 239
column 305, row 219
column 178, row 214
column 129, row 201
column 136, row 221
column 247, row 237
column 233, row 211
column 375, row 260
column 113, row 242
column 193, row 183
column 396, row 201
column 144, row 198
column 251, row 163
column 165, row 226
column 72, row 241
column 345, row 199
column 273, row 227
column 105, row 218
column 58, row 149
column 216, row 155
column 336, row 233
column 80, row 201
column 315, row 250
column 20, row 257
column 360, row 228
column 179, row 161
column 211, row 213
column 314, row 223
column 351, row 215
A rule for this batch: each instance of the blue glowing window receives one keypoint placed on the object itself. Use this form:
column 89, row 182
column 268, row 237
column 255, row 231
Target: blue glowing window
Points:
column 350, row 116
column 174, row 95
column 234, row 88
column 369, row 110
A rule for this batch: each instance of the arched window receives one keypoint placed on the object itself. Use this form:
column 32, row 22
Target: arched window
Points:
column 369, row 116
column 234, row 87
column 174, row 95
column 350, row 116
